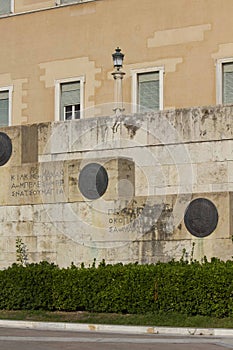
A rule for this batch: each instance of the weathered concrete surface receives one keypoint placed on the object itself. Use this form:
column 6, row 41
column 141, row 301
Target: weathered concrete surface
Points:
column 156, row 164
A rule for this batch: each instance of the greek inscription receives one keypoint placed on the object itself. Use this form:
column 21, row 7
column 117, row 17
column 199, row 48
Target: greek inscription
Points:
column 115, row 229
column 143, row 218
column 37, row 182
column 120, row 221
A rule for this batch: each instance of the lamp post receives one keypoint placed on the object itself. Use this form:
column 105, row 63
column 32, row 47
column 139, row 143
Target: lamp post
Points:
column 118, row 75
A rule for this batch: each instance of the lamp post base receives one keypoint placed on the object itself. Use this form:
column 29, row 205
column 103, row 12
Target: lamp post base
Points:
column 118, row 111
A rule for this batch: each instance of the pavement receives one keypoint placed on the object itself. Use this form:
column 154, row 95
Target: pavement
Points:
column 81, row 327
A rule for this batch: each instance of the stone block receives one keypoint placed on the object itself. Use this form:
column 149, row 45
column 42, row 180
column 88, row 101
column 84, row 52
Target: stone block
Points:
column 200, row 152
column 29, row 143
column 222, row 150
column 46, row 158
column 2, row 214
column 46, row 244
column 143, row 182
column 15, row 229
column 7, row 259
column 134, row 131
column 5, row 173
column 14, row 133
column 222, row 204
column 34, row 184
column 108, row 133
column 164, row 128
column 44, row 139
column 223, row 187
column 202, row 188
column 213, row 247
column 230, row 172
column 19, row 213
column 165, row 190
column 212, row 173
column 60, row 137
column 37, row 257
column 121, row 182
column 183, row 174
column 174, row 250
column 46, row 229
column 24, row 141
column 40, row 213
column 83, row 135
column 141, row 155
column 163, row 155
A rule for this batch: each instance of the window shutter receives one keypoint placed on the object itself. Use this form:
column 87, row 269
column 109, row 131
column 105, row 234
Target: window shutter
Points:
column 4, row 108
column 148, row 91
column 227, row 83
column 5, row 6
column 68, row 1
column 70, row 93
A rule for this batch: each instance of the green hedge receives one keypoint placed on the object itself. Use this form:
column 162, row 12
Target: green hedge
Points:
column 204, row 289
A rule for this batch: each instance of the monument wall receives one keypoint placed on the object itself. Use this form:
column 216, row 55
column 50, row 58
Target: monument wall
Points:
column 124, row 188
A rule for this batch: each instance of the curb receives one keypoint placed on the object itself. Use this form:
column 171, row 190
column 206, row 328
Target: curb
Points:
column 81, row 327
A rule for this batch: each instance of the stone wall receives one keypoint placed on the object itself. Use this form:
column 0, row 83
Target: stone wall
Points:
column 139, row 175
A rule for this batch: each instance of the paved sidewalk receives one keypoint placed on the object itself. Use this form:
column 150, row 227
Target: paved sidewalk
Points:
column 81, row 327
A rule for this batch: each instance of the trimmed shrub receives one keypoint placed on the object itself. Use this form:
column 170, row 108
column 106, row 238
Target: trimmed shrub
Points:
column 193, row 289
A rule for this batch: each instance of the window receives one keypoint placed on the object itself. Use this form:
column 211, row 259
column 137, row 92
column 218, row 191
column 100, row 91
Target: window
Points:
column 225, row 81
column 6, row 7
column 5, row 106
column 69, row 99
column 147, row 89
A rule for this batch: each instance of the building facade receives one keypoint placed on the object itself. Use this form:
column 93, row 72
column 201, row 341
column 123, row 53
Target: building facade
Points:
column 56, row 59
column 82, row 182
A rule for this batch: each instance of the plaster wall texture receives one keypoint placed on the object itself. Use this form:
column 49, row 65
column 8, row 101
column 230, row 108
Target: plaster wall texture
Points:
column 157, row 163
column 37, row 51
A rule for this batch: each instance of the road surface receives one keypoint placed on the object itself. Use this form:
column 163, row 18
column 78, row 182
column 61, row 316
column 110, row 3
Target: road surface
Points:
column 17, row 339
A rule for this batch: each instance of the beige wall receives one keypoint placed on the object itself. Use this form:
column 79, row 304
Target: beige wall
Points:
column 30, row 5
column 184, row 36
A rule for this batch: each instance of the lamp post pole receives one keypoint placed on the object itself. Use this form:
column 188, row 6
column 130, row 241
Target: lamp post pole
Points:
column 118, row 76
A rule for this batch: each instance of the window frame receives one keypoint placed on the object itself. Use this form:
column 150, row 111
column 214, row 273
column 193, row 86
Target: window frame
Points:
column 12, row 6
column 135, row 73
column 58, row 83
column 219, row 78
column 12, row 9
column 72, row 111
column 9, row 89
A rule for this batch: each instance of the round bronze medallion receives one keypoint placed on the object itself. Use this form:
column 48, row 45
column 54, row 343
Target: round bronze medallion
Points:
column 5, row 148
column 93, row 181
column 201, row 217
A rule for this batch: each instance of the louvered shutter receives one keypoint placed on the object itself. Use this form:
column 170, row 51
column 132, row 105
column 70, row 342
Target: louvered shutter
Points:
column 68, row 1
column 70, row 95
column 4, row 108
column 228, row 83
column 5, row 7
column 148, row 91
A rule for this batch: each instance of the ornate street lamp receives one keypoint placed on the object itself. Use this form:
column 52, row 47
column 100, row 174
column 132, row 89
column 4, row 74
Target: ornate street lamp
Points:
column 118, row 58
column 118, row 75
